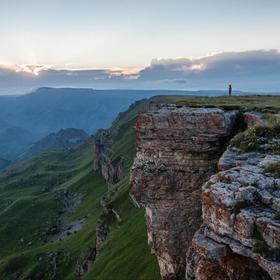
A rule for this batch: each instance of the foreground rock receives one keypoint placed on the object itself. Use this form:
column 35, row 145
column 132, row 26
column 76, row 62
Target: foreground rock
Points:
column 178, row 150
column 240, row 236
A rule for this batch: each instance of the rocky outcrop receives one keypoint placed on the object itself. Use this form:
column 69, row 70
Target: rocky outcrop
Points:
column 102, row 231
column 240, row 235
column 102, row 162
column 254, row 118
column 177, row 151
column 83, row 266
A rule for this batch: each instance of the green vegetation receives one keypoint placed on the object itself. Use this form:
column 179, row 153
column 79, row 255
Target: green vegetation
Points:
column 277, row 215
column 41, row 197
column 125, row 254
column 208, row 185
column 253, row 138
column 33, row 201
column 274, row 169
column 259, row 247
column 265, row 104
column 240, row 205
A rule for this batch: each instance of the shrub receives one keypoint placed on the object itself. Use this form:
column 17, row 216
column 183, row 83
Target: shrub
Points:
column 277, row 215
column 274, row 169
column 276, row 148
column 251, row 139
column 208, row 185
column 240, row 205
column 260, row 247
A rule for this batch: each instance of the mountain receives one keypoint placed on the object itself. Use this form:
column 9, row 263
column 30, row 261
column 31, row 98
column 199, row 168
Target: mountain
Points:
column 15, row 140
column 69, row 214
column 25, row 119
column 4, row 163
column 63, row 139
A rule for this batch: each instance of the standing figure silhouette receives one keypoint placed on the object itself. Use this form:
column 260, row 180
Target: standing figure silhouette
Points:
column 229, row 90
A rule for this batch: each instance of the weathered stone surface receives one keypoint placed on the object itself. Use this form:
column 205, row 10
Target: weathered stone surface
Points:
column 254, row 118
column 178, row 150
column 102, row 230
column 240, row 206
column 229, row 267
column 102, row 160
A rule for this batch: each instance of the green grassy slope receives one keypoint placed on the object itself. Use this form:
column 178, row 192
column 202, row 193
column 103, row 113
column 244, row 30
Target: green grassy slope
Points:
column 32, row 201
column 125, row 254
column 47, row 193
column 249, row 103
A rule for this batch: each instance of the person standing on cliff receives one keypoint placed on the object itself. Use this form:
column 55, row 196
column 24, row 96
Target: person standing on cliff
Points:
column 229, row 90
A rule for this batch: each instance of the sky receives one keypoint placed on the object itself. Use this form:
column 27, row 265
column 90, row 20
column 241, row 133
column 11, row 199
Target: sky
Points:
column 127, row 37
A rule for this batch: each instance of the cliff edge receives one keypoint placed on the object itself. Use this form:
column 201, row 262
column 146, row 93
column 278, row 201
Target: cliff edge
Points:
column 227, row 229
column 177, row 151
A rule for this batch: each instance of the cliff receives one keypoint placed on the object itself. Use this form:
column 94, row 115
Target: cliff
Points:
column 102, row 161
column 240, row 234
column 227, row 229
column 177, row 150
column 109, row 158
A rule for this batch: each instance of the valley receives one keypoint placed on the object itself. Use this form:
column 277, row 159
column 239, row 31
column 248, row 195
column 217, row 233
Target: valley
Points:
column 68, row 214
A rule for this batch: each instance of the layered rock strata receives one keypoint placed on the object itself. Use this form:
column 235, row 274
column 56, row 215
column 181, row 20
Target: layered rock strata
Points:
column 240, row 236
column 102, row 163
column 177, row 151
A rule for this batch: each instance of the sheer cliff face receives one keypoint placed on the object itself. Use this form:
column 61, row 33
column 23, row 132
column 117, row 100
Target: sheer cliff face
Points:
column 102, row 161
column 178, row 150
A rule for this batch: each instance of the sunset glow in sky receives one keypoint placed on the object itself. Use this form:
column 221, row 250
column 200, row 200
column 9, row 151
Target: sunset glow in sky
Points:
column 128, row 33
column 139, row 44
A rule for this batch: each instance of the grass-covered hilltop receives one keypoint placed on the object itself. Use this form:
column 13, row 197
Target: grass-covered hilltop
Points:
column 62, row 217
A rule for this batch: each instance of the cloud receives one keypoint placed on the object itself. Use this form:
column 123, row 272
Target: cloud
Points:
column 250, row 70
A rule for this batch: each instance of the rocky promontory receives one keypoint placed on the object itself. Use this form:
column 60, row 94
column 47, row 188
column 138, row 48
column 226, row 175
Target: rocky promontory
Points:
column 240, row 235
column 212, row 208
column 177, row 151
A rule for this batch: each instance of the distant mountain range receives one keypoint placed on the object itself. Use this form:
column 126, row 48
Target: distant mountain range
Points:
column 63, row 139
column 4, row 163
column 26, row 119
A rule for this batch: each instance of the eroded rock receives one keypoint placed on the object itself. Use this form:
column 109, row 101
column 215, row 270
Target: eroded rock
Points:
column 240, row 206
column 102, row 162
column 177, row 150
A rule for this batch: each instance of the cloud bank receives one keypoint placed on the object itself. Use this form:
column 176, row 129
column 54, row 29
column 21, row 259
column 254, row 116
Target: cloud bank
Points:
column 252, row 70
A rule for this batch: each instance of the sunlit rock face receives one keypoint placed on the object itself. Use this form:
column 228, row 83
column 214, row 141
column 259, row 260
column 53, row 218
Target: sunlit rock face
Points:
column 178, row 150
column 240, row 206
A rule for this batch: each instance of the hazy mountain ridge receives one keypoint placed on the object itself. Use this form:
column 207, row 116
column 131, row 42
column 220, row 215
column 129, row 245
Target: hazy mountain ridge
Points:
column 4, row 163
column 15, row 140
column 26, row 119
column 63, row 139
column 35, row 115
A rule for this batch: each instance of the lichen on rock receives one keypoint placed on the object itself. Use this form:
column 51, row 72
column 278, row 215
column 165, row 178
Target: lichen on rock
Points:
column 240, row 206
